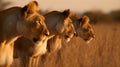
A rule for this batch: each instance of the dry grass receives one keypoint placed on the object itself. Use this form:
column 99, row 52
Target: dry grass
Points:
column 103, row 51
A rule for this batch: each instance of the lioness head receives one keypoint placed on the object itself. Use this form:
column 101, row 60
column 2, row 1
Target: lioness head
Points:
column 31, row 23
column 65, row 27
column 84, row 29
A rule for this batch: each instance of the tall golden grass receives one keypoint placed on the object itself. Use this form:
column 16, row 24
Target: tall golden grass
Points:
column 103, row 51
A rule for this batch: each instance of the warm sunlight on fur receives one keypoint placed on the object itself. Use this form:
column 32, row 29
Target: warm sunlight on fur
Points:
column 15, row 24
column 59, row 24
column 83, row 28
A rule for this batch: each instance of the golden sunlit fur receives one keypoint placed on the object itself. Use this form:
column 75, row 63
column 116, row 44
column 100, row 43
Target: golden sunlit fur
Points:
column 59, row 24
column 66, row 27
column 83, row 28
column 16, row 22
column 27, row 51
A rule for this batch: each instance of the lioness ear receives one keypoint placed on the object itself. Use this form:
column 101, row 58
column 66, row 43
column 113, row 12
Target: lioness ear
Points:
column 66, row 12
column 30, row 9
column 84, row 21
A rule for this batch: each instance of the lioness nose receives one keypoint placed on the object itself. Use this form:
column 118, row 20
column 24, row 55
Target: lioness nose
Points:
column 47, row 34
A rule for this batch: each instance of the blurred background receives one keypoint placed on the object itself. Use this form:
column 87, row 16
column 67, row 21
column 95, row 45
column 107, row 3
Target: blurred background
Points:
column 97, row 10
column 103, row 51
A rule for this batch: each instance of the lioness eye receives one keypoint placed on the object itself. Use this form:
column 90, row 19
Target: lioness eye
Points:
column 38, row 22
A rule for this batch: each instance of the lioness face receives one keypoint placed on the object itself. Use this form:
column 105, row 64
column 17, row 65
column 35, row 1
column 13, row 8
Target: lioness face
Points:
column 85, row 30
column 69, row 30
column 37, row 28
column 33, row 25
column 65, row 27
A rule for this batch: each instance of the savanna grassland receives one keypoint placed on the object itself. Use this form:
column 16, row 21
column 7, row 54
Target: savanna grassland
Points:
column 103, row 51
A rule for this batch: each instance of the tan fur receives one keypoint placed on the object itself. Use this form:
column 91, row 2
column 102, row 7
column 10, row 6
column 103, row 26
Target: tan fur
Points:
column 55, row 43
column 59, row 24
column 27, row 51
column 14, row 24
column 83, row 28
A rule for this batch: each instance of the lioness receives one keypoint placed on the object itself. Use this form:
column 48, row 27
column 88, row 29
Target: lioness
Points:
column 16, row 22
column 59, row 24
column 83, row 29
